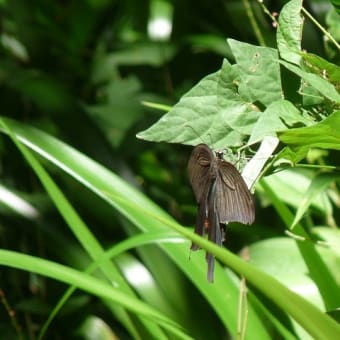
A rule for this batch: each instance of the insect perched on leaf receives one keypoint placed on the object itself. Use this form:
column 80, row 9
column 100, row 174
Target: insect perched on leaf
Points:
column 221, row 194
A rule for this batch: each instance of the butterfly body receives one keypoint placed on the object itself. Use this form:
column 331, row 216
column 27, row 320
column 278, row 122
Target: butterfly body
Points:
column 221, row 194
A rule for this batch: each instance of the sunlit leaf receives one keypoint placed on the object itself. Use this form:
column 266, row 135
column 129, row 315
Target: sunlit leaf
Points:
column 324, row 135
column 317, row 186
column 276, row 117
column 320, row 84
column 289, row 32
column 259, row 72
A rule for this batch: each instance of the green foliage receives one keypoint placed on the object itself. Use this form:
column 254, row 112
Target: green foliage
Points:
column 324, row 135
column 336, row 5
column 87, row 210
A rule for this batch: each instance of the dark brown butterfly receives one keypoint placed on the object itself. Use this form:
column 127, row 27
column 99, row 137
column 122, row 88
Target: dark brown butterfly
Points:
column 221, row 194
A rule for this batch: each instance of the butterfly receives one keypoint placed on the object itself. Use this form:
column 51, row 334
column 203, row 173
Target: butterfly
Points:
column 221, row 194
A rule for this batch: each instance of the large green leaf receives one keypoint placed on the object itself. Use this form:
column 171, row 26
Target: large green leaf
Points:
column 222, row 108
column 195, row 118
column 276, row 117
column 320, row 84
column 289, row 32
column 324, row 135
column 322, row 67
column 259, row 72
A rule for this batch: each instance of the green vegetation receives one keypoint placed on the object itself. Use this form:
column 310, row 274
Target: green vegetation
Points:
column 96, row 224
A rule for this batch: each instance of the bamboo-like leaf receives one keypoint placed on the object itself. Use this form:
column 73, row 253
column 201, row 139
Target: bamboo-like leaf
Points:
column 128, row 201
column 88, row 283
column 317, row 186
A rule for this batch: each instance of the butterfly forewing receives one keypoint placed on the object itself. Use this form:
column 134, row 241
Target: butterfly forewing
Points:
column 199, row 169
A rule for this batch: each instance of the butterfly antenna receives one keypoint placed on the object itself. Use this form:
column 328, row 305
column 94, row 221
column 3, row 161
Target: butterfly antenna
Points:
column 211, row 143
column 196, row 133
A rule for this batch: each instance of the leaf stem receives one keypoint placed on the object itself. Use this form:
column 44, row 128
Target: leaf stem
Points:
column 255, row 26
column 322, row 29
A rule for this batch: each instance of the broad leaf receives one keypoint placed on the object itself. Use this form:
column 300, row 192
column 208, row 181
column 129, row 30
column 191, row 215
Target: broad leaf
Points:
column 317, row 186
column 223, row 107
column 259, row 72
column 323, row 68
column 319, row 83
column 289, row 32
column 276, row 117
column 196, row 118
column 324, row 135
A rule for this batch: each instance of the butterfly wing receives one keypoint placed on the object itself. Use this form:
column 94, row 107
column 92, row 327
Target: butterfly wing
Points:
column 233, row 199
column 202, row 222
column 204, row 187
column 222, row 197
column 199, row 170
column 208, row 221
column 215, row 235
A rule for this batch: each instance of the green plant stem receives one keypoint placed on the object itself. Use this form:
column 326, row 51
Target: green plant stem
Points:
column 12, row 315
column 266, row 11
column 253, row 23
column 324, row 31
